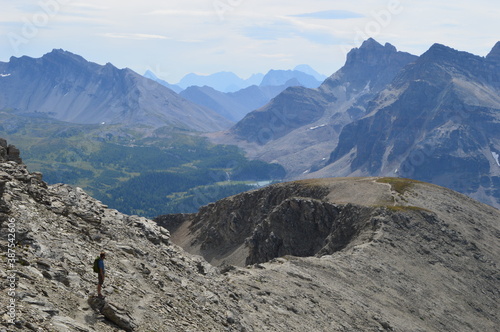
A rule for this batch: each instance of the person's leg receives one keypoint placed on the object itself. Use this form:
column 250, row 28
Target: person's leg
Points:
column 99, row 286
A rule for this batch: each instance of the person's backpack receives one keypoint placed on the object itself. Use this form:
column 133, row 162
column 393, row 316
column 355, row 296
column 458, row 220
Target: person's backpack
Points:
column 96, row 264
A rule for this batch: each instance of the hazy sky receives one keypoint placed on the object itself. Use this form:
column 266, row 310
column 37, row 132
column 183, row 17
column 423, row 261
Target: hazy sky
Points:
column 174, row 37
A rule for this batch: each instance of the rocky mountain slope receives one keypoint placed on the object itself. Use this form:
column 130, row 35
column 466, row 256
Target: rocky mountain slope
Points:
column 439, row 122
column 401, row 251
column 67, row 87
column 397, row 256
column 300, row 127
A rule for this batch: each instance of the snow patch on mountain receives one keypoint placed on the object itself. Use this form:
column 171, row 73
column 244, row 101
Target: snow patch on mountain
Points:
column 496, row 156
column 316, row 127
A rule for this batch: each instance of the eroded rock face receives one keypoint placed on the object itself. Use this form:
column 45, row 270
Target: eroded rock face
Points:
column 304, row 227
column 297, row 227
column 222, row 229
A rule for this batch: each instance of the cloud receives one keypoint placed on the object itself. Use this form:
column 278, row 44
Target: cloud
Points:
column 175, row 12
column 322, row 38
column 331, row 15
column 293, row 28
column 271, row 31
column 88, row 6
column 135, row 36
column 275, row 56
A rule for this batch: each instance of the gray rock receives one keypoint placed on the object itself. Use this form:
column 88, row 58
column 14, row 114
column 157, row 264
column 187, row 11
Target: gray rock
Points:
column 119, row 316
column 64, row 324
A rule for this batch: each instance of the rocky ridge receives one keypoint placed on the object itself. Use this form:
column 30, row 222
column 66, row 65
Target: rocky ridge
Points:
column 424, row 259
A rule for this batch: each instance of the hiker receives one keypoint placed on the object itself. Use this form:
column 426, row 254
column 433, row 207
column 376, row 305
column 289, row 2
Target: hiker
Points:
column 101, row 273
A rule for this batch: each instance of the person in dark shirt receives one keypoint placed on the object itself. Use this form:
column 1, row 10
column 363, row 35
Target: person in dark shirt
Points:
column 101, row 274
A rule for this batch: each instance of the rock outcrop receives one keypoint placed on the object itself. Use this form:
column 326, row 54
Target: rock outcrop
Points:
column 112, row 312
column 389, row 254
column 9, row 152
column 289, row 219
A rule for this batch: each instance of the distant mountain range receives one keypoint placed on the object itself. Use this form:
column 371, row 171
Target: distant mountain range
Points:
column 235, row 105
column 222, row 81
column 434, row 118
column 290, row 77
column 129, row 140
column 230, row 82
column 233, row 97
column 149, row 74
column 66, row 87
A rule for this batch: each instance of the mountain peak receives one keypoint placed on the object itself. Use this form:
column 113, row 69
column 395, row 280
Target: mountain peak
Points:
column 445, row 54
column 370, row 43
column 60, row 52
column 494, row 55
column 60, row 55
column 310, row 71
column 371, row 53
column 150, row 74
column 440, row 48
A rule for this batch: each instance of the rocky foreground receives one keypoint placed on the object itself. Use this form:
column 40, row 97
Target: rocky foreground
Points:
column 387, row 255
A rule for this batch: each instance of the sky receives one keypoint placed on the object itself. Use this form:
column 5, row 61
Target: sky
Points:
column 176, row 37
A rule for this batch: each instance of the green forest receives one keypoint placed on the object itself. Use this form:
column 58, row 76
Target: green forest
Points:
column 171, row 171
